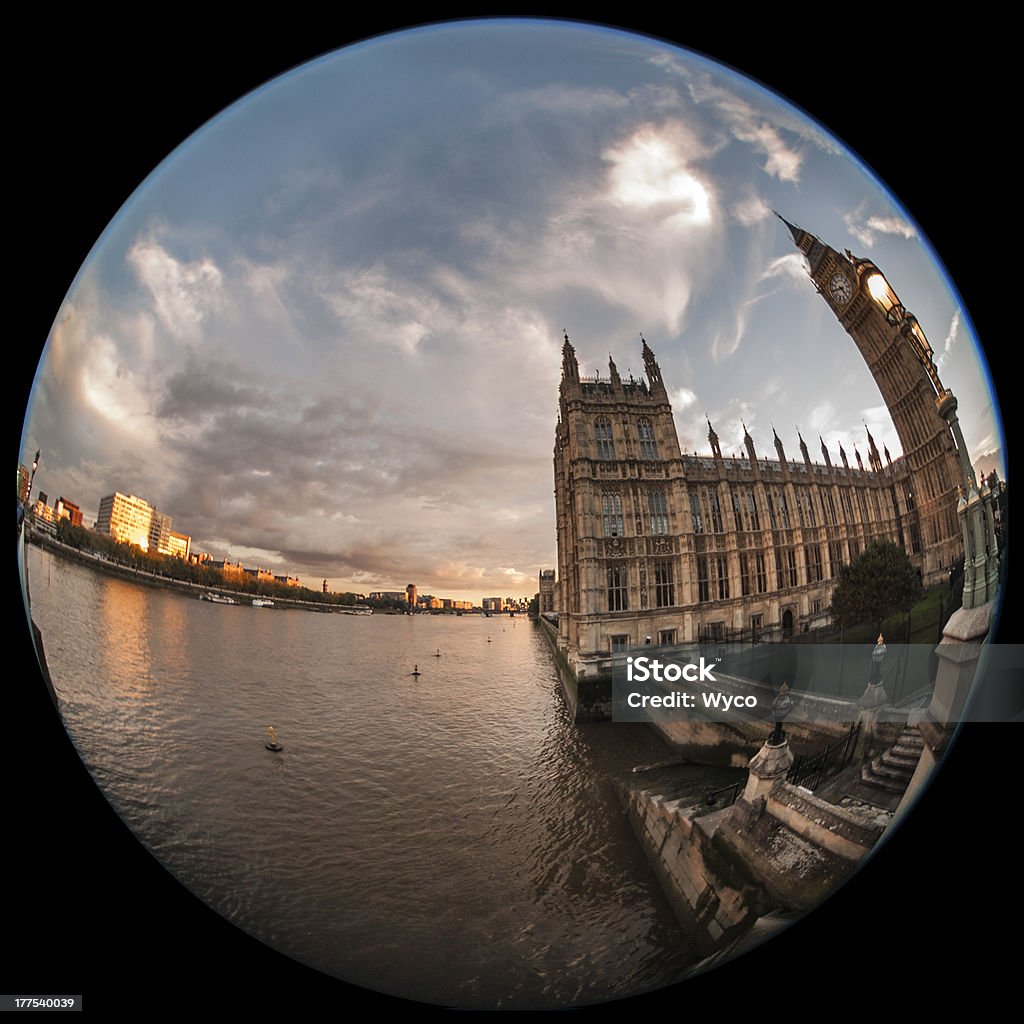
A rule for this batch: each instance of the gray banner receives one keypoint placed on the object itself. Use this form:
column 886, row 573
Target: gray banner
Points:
column 745, row 682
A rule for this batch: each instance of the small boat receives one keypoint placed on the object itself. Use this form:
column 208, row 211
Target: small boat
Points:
column 262, row 602
column 272, row 737
column 209, row 595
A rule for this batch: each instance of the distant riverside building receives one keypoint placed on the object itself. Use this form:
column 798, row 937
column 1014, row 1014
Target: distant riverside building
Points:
column 546, row 580
column 410, row 595
column 260, row 574
column 231, row 570
column 24, row 480
column 126, row 518
column 70, row 511
column 159, row 533
column 389, row 595
column 655, row 545
column 179, row 545
column 289, row 581
column 491, row 604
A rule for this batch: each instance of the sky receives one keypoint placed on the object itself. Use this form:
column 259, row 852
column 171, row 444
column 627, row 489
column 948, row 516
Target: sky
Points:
column 324, row 336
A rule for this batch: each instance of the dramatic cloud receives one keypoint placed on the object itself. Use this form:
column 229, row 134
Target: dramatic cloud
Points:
column 866, row 231
column 183, row 293
column 339, row 356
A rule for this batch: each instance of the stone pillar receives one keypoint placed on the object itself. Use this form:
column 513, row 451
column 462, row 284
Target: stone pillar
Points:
column 767, row 766
column 958, row 656
column 871, row 702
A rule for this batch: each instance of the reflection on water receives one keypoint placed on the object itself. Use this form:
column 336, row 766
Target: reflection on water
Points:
column 451, row 837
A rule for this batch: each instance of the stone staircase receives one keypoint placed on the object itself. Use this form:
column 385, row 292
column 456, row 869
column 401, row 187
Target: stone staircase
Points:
column 893, row 770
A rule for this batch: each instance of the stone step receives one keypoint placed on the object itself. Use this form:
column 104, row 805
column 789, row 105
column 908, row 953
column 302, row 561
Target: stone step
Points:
column 897, row 759
column 911, row 738
column 872, row 778
column 880, row 768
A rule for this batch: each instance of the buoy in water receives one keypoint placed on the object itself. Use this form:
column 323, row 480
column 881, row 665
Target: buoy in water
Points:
column 415, row 671
column 273, row 744
column 438, row 655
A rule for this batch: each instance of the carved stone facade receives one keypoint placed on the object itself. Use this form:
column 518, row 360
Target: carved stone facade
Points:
column 657, row 547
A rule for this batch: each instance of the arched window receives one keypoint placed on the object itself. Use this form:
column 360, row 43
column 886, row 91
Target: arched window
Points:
column 603, row 435
column 648, row 446
column 611, row 513
column 658, row 509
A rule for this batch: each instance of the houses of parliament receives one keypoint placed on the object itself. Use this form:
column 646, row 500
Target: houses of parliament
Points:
column 656, row 546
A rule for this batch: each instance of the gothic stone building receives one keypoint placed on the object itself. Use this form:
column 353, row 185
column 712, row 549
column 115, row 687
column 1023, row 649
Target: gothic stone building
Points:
column 680, row 548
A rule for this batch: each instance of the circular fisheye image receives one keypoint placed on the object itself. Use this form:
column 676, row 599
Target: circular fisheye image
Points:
column 510, row 514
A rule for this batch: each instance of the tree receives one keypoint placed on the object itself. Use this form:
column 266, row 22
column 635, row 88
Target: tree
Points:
column 879, row 582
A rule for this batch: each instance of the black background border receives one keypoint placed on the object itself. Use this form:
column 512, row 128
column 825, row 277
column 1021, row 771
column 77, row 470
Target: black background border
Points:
column 98, row 104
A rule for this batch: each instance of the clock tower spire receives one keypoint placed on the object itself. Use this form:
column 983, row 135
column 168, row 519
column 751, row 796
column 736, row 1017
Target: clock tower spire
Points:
column 923, row 412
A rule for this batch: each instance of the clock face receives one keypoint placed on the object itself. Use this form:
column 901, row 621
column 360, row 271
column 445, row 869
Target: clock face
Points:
column 840, row 287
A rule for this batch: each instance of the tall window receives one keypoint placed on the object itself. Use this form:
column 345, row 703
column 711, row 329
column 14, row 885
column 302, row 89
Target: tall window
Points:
column 815, row 572
column 755, row 519
column 791, row 565
column 831, row 507
column 844, row 495
column 648, row 446
column 603, row 435
column 703, row 593
column 618, row 592
column 695, row 513
column 737, row 514
column 771, row 511
column 657, row 506
column 835, row 557
column 722, row 576
column 744, row 574
column 784, row 510
column 812, row 517
column 611, row 513
column 716, row 510
column 664, row 585
column 762, row 573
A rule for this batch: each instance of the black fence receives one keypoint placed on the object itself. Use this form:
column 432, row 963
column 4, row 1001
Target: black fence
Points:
column 716, row 799
column 810, row 769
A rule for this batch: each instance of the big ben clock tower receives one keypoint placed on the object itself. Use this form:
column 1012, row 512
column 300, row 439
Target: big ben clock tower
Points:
column 923, row 412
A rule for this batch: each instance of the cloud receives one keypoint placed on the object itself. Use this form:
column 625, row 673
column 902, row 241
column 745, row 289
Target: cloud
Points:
column 792, row 268
column 650, row 169
column 952, row 337
column 682, row 398
column 867, row 231
column 643, row 236
column 751, row 210
column 183, row 293
column 751, row 120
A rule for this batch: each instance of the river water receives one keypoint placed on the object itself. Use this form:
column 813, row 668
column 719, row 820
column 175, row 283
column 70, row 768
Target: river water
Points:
column 452, row 838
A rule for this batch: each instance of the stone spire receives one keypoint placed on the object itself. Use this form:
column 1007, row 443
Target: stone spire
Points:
column 803, row 447
column 570, row 368
column 613, row 372
column 842, row 455
column 778, row 447
column 874, row 459
column 748, row 443
column 860, row 461
column 653, row 370
column 824, row 452
column 716, row 448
